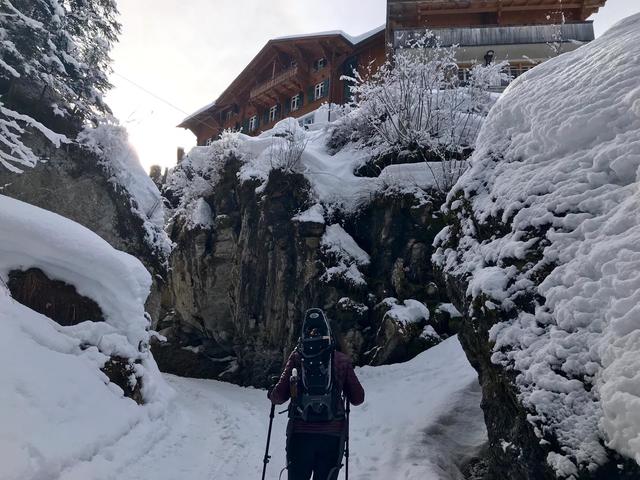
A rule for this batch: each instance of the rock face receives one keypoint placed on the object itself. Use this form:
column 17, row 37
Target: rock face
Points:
column 71, row 183
column 240, row 283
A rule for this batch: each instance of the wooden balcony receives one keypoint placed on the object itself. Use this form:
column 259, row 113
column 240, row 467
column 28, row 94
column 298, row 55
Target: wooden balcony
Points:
column 488, row 36
column 284, row 79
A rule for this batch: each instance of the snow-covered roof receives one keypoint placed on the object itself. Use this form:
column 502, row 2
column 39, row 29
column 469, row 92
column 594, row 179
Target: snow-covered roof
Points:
column 354, row 40
column 198, row 112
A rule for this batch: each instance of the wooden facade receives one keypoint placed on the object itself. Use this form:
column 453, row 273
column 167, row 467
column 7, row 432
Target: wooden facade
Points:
column 289, row 77
column 522, row 32
column 467, row 13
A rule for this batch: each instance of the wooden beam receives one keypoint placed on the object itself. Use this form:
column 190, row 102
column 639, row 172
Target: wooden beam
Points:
column 489, row 9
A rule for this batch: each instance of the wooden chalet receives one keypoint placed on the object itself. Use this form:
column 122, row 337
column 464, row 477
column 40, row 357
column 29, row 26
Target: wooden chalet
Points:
column 289, row 77
column 524, row 32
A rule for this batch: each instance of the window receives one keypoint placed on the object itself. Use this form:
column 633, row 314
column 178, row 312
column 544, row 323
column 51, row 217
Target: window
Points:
column 306, row 120
column 253, row 123
column 319, row 64
column 273, row 113
column 229, row 115
column 295, row 103
column 318, row 91
column 463, row 76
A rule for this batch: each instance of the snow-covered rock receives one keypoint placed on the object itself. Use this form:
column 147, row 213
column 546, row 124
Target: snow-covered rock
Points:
column 100, row 184
column 57, row 405
column 545, row 233
column 348, row 256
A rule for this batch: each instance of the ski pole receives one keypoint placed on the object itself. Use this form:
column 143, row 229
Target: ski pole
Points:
column 346, row 451
column 266, row 453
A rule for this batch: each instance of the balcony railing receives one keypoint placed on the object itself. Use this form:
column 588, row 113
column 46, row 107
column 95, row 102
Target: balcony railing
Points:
column 278, row 79
column 514, row 35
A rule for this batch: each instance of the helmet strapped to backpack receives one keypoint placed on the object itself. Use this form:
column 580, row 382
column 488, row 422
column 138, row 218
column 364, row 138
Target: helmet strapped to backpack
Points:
column 318, row 398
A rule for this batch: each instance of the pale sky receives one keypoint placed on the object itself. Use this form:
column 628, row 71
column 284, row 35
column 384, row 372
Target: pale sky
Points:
column 185, row 53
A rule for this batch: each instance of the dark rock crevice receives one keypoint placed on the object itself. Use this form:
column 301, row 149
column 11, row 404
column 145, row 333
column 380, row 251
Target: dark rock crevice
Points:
column 52, row 298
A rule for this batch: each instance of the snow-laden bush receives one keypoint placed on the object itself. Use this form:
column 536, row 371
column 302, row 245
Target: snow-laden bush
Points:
column 289, row 143
column 197, row 174
column 414, row 103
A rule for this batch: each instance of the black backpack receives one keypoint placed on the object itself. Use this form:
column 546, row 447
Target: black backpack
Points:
column 318, row 398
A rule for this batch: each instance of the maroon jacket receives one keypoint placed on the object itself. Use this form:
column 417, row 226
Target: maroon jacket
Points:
column 345, row 379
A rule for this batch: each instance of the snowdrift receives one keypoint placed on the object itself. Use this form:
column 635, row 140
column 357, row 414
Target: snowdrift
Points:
column 57, row 408
column 331, row 175
column 548, row 235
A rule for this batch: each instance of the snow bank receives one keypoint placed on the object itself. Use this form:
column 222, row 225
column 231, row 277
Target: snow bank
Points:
column 557, row 163
column 334, row 184
column 56, row 406
column 67, row 251
column 122, row 165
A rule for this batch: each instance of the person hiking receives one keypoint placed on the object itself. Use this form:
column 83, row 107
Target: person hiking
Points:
column 318, row 380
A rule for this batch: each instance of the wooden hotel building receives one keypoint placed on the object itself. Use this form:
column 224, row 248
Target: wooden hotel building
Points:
column 293, row 76
column 290, row 76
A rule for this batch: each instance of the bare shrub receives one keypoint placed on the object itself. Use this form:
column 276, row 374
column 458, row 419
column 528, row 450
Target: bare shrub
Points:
column 415, row 104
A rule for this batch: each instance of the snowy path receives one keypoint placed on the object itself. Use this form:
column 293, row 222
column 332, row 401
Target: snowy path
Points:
column 421, row 419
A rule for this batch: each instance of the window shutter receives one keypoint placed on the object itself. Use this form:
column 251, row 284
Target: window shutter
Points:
column 278, row 111
column 301, row 99
column 257, row 121
column 245, row 126
column 287, row 106
column 325, row 92
column 265, row 117
column 310, row 94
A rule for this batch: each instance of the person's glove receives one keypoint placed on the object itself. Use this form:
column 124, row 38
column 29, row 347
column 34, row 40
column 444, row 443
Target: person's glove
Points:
column 274, row 382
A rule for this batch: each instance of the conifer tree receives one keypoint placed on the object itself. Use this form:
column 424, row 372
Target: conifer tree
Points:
column 54, row 59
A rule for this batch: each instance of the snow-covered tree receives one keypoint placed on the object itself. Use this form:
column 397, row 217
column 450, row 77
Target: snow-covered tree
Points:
column 415, row 103
column 54, row 61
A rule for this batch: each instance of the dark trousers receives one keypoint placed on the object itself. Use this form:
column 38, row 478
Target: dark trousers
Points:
column 313, row 453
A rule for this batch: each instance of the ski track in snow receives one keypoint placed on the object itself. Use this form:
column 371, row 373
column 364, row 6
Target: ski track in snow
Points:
column 421, row 420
